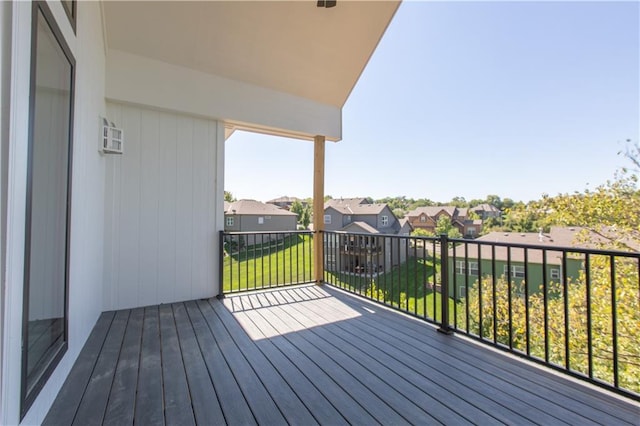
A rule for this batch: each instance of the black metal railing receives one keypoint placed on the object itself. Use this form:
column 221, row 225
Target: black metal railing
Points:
column 576, row 310
column 258, row 260
column 573, row 309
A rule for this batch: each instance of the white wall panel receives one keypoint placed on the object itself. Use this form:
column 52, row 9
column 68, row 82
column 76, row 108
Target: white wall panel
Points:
column 162, row 237
column 144, row 81
column 87, row 211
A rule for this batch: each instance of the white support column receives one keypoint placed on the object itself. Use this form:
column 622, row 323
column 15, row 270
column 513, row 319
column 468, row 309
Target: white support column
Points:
column 318, row 208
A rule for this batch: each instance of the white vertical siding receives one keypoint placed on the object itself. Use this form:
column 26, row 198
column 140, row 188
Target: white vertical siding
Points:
column 160, row 216
column 87, row 210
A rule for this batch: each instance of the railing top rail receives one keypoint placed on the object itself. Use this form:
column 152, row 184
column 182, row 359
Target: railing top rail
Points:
column 580, row 250
column 266, row 232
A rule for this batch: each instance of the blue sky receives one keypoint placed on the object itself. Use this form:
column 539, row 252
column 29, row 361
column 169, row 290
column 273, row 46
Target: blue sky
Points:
column 469, row 99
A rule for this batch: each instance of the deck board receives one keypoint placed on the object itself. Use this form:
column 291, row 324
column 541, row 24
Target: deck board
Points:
column 535, row 386
column 309, row 355
column 123, row 390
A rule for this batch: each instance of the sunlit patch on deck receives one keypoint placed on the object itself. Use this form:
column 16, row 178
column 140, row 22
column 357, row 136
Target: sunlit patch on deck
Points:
column 267, row 314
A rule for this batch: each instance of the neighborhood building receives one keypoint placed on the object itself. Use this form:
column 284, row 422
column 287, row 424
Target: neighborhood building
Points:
column 286, row 202
column 254, row 216
column 486, row 211
column 427, row 218
column 368, row 246
column 510, row 262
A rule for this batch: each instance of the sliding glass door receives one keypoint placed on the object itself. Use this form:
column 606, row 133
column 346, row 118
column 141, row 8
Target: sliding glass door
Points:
column 48, row 204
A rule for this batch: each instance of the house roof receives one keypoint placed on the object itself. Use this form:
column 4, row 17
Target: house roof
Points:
column 253, row 207
column 362, row 226
column 433, row 211
column 287, row 47
column 486, row 208
column 557, row 237
column 284, row 199
column 404, row 221
column 332, row 202
column 352, row 206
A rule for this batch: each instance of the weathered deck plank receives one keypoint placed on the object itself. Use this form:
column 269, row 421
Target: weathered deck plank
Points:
column 123, row 390
column 309, row 355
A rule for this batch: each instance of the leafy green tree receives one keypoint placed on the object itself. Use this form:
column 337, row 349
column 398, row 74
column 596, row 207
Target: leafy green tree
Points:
column 632, row 153
column 613, row 211
column 399, row 213
column 420, row 232
column 228, row 196
column 459, row 202
column 445, row 226
column 494, row 200
column 303, row 211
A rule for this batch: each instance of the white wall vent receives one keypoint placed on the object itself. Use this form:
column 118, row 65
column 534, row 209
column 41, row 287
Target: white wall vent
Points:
column 112, row 140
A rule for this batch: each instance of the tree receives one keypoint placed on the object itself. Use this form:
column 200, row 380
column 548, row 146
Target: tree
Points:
column 420, row 232
column 303, row 211
column 445, row 226
column 228, row 196
column 632, row 153
column 399, row 213
column 613, row 211
column 459, row 202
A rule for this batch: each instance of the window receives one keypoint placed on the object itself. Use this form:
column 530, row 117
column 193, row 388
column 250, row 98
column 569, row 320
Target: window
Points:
column 229, row 220
column 70, row 9
column 347, row 218
column 260, row 220
column 423, row 218
column 471, row 232
column 327, row 219
column 462, row 292
column 555, row 274
column 517, row 271
column 47, row 220
column 384, row 220
column 461, row 270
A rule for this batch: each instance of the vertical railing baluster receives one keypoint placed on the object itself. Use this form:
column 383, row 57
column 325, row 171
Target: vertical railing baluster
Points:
column 493, row 292
column 526, row 302
column 480, row 278
column 479, row 252
column 565, row 298
column 510, row 284
column 587, row 277
column 614, row 320
column 455, row 284
column 444, row 286
column 435, row 275
column 545, row 301
column 220, row 264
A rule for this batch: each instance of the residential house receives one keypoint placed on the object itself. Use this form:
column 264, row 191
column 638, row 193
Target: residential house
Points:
column 487, row 211
column 467, row 262
column 366, row 246
column 286, row 202
column 254, row 216
column 113, row 126
column 427, row 218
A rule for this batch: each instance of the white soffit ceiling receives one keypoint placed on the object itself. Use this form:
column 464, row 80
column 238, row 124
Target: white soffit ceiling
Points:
column 289, row 46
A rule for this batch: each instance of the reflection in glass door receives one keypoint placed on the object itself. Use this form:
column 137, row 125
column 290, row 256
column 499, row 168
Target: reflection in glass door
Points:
column 48, row 202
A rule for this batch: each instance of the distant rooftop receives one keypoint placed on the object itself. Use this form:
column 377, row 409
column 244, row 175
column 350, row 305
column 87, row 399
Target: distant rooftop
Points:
column 253, row 207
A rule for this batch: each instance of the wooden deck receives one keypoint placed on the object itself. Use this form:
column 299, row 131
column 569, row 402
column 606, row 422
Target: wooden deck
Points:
column 308, row 355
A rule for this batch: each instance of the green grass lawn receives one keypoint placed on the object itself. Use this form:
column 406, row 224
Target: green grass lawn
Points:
column 275, row 263
column 406, row 287
column 289, row 261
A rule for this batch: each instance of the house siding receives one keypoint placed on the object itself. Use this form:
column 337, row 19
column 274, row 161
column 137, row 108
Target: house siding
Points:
column 85, row 270
column 534, row 272
column 167, row 231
